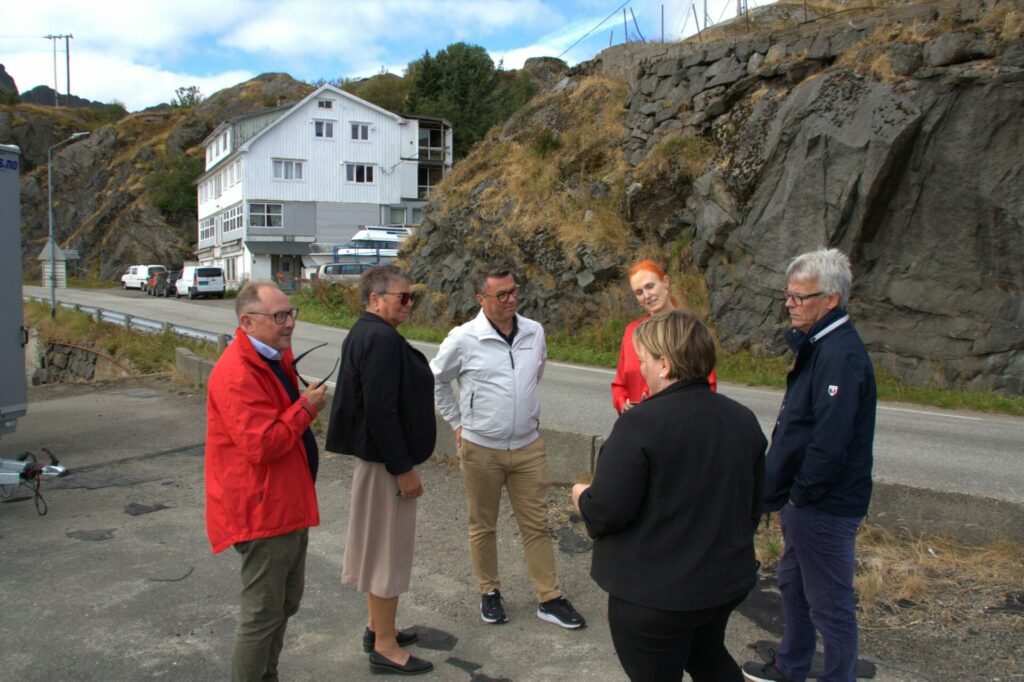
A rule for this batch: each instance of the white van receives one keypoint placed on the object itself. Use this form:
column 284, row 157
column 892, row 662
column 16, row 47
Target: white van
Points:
column 200, row 280
column 136, row 276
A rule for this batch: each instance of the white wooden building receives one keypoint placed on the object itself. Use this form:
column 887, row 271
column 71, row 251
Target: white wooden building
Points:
column 284, row 186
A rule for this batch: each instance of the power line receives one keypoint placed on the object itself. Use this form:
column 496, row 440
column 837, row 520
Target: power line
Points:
column 614, row 12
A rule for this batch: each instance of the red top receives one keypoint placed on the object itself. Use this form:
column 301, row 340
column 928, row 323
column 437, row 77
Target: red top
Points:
column 629, row 383
column 258, row 483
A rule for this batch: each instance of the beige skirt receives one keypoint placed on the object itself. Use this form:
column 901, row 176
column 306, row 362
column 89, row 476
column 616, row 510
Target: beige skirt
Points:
column 381, row 533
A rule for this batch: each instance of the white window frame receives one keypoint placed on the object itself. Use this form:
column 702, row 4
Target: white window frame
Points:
column 323, row 130
column 231, row 219
column 327, row 104
column 359, row 132
column 207, row 228
column 266, row 215
column 355, row 171
column 287, row 170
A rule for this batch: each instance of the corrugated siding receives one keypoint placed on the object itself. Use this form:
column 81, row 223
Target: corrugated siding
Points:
column 323, row 160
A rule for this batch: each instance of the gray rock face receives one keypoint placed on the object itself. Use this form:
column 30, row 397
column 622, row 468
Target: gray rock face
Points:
column 908, row 159
column 919, row 181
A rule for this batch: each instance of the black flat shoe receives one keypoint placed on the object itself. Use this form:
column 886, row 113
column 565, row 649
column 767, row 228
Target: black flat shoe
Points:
column 383, row 666
column 404, row 638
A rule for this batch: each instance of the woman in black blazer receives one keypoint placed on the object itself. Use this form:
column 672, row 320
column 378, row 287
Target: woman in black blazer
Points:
column 383, row 414
column 673, row 508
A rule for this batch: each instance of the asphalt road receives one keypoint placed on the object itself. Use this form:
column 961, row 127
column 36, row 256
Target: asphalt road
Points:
column 944, row 450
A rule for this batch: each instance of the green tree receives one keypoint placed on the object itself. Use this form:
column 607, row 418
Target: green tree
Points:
column 458, row 84
column 170, row 185
column 187, row 97
column 384, row 89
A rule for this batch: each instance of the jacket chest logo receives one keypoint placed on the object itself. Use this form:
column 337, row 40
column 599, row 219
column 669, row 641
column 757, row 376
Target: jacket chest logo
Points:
column 833, row 391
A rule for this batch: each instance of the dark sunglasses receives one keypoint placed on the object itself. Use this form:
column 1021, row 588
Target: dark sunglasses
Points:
column 404, row 297
column 295, row 366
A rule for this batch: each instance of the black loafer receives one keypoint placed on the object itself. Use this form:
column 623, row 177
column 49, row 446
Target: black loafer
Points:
column 414, row 666
column 404, row 638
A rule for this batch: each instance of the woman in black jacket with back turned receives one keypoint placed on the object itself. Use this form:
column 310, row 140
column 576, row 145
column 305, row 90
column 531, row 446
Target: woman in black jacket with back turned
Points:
column 383, row 414
column 673, row 509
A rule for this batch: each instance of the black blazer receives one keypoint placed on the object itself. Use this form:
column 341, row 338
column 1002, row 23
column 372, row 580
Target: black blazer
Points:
column 676, row 499
column 383, row 407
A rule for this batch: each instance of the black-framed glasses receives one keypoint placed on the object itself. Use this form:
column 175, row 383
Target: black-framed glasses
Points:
column 295, row 366
column 404, row 297
column 799, row 298
column 503, row 296
column 279, row 317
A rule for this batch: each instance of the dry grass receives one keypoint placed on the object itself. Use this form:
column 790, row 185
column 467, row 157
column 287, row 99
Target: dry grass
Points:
column 677, row 153
column 904, row 581
column 537, row 180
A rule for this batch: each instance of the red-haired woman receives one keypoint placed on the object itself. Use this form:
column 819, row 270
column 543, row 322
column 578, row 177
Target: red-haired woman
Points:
column 649, row 284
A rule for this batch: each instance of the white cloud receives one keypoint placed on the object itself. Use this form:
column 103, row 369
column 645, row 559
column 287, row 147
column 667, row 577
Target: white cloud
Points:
column 106, row 78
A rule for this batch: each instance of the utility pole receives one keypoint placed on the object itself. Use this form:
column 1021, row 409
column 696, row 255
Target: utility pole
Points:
column 56, row 88
column 67, row 71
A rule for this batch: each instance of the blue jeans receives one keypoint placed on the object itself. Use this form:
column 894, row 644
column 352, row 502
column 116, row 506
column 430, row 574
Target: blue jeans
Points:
column 816, row 581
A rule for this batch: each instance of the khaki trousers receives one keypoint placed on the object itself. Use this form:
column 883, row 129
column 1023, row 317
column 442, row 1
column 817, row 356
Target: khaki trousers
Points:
column 273, row 577
column 524, row 474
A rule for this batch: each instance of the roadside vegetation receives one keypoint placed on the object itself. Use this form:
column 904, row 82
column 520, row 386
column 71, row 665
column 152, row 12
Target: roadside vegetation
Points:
column 337, row 305
column 137, row 351
column 916, row 593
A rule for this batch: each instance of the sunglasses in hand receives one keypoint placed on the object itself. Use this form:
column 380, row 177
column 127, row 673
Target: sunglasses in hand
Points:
column 295, row 366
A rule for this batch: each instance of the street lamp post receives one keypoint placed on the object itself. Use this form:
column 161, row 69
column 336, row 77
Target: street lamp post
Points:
column 53, row 245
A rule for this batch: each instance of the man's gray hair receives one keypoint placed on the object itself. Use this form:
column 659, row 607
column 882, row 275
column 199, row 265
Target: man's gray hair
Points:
column 378, row 279
column 830, row 267
column 496, row 269
column 249, row 295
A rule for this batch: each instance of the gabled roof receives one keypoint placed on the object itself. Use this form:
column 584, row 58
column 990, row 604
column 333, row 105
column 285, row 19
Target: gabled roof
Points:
column 287, row 110
column 327, row 87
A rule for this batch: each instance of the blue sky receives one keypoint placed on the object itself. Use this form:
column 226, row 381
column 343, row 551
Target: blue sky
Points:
column 138, row 52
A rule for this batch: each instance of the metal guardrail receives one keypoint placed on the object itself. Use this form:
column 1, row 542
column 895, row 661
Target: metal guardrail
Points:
column 138, row 323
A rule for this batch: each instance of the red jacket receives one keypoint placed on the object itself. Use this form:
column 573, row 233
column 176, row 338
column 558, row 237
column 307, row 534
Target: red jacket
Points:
column 258, row 482
column 629, row 382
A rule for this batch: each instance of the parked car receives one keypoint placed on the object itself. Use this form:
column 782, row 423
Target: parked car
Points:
column 341, row 272
column 156, row 281
column 172, row 283
column 136, row 276
column 200, row 280
column 162, row 283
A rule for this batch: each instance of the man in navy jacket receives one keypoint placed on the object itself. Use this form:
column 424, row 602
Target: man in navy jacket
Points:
column 819, row 470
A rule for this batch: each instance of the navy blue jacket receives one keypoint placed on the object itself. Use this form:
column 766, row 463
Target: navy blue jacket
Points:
column 383, row 409
column 822, row 441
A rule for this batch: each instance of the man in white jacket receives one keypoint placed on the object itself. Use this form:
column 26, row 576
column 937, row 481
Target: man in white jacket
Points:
column 498, row 359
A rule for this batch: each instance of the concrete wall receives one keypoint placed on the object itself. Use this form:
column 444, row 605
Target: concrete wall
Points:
column 965, row 518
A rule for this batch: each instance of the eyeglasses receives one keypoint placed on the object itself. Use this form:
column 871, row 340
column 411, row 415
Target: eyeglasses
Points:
column 295, row 366
column 799, row 298
column 503, row 296
column 404, row 297
column 279, row 317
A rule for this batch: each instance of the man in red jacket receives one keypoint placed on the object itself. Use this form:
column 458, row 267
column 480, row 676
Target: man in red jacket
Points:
column 261, row 463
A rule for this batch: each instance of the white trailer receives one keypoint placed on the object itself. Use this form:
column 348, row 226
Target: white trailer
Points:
column 24, row 470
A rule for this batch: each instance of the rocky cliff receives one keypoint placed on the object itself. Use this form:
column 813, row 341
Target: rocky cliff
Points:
column 892, row 133
column 103, row 205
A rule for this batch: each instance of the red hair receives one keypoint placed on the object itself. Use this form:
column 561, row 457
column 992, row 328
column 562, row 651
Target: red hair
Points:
column 653, row 268
column 649, row 266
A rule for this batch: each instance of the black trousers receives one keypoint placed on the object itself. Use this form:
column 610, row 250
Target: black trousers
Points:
column 655, row 645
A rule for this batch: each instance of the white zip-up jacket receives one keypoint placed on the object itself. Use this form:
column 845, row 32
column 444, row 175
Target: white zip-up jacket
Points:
column 498, row 401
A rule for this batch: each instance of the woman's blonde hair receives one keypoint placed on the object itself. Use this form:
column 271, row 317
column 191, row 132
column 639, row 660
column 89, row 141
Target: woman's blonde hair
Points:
column 682, row 340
